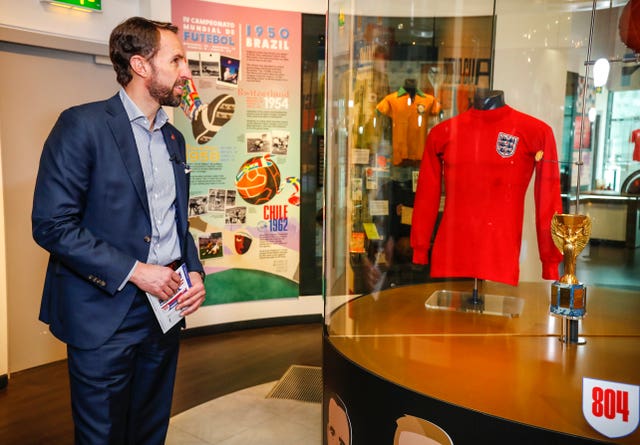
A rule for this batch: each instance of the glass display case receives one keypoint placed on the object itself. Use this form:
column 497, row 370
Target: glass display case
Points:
column 454, row 132
column 620, row 159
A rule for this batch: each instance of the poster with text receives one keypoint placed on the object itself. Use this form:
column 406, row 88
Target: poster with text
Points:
column 241, row 120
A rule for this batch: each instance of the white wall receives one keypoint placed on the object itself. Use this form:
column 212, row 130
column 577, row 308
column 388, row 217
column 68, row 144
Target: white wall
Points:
column 33, row 15
column 306, row 6
column 47, row 82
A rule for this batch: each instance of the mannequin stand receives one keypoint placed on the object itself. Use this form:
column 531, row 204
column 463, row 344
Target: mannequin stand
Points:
column 476, row 302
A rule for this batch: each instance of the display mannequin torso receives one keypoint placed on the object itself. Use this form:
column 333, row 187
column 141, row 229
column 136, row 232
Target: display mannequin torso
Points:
column 410, row 86
column 409, row 108
column 486, row 99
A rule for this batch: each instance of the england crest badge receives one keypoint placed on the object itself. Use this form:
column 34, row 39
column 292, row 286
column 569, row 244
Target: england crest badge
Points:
column 506, row 144
column 611, row 408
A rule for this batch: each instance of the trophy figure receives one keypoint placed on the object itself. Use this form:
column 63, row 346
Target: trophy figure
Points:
column 570, row 234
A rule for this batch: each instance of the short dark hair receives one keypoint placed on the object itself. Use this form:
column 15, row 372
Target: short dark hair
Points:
column 134, row 36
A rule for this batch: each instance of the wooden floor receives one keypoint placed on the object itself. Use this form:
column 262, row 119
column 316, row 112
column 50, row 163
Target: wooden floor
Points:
column 35, row 408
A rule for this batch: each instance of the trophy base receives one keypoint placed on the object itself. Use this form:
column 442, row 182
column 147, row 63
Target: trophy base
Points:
column 568, row 300
column 568, row 340
column 466, row 301
column 570, row 333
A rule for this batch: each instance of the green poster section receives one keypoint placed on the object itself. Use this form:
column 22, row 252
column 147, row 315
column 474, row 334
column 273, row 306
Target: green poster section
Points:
column 236, row 285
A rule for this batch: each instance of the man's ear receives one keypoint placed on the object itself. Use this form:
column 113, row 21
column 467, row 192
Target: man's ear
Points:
column 139, row 65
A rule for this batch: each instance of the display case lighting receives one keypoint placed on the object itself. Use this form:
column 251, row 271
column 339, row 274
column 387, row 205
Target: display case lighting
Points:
column 600, row 72
column 77, row 5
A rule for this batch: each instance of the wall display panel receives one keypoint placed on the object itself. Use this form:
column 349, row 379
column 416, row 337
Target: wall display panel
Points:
column 242, row 123
column 440, row 254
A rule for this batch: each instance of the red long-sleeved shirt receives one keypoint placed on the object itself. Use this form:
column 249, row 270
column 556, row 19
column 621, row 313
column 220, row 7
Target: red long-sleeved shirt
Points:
column 487, row 159
column 635, row 139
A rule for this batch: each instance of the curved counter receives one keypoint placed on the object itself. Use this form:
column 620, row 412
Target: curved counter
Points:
column 478, row 376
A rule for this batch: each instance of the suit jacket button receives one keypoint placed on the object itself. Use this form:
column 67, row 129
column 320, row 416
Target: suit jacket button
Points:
column 147, row 239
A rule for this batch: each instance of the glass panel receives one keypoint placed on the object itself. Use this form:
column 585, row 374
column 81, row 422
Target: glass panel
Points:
column 536, row 54
column 312, row 153
column 393, row 73
column 455, row 132
column 619, row 160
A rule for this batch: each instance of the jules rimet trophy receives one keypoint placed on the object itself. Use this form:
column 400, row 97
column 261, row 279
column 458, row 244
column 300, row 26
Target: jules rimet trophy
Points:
column 570, row 234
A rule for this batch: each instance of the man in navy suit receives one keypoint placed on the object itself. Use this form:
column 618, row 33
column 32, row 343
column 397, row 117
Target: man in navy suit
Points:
column 110, row 206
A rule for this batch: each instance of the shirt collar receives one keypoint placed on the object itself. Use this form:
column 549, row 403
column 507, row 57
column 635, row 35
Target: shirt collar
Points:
column 402, row 92
column 135, row 115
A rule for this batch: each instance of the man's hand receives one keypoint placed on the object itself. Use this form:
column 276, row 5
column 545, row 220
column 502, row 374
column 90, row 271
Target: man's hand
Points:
column 159, row 281
column 192, row 299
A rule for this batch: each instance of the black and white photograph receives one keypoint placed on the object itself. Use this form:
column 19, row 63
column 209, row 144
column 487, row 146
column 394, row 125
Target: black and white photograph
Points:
column 235, row 215
column 230, row 200
column 258, row 142
column 197, row 205
column 279, row 142
column 216, row 200
column 210, row 64
column 193, row 59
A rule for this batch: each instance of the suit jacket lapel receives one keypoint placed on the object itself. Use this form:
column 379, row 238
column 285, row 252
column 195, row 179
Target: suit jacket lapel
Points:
column 126, row 144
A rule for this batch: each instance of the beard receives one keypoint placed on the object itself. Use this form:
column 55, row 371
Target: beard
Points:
column 162, row 93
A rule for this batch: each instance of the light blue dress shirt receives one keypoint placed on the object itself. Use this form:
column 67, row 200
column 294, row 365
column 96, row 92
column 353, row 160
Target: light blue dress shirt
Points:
column 157, row 168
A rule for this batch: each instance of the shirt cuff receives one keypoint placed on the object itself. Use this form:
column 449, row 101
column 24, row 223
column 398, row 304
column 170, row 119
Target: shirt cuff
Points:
column 421, row 256
column 550, row 270
column 126, row 280
column 202, row 274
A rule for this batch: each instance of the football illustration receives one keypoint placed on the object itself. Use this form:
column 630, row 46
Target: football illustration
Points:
column 210, row 118
column 258, row 180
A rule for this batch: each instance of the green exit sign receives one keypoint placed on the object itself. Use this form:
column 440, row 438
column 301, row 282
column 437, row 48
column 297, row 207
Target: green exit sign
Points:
column 93, row 5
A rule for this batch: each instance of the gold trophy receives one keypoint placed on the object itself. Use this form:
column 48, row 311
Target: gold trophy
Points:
column 570, row 234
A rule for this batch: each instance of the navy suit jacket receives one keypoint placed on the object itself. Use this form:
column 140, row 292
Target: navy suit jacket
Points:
column 90, row 211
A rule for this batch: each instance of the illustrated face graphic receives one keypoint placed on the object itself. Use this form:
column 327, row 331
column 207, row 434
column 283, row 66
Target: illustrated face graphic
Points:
column 409, row 438
column 413, row 430
column 338, row 428
column 242, row 242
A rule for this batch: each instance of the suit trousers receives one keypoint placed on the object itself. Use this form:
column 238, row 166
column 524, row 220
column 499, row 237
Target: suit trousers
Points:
column 121, row 392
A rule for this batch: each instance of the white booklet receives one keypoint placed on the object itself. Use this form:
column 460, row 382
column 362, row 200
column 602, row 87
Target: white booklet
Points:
column 166, row 311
